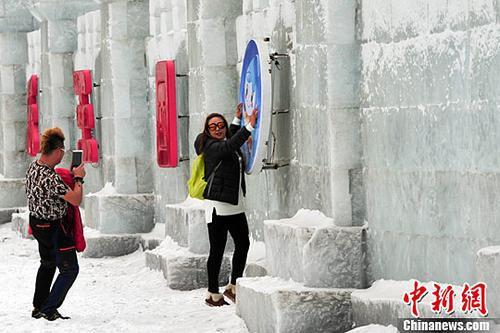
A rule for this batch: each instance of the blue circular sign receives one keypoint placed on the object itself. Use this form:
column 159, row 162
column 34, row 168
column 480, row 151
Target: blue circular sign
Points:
column 253, row 96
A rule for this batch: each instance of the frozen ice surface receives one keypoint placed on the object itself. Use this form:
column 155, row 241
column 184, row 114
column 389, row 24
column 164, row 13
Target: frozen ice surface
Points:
column 20, row 223
column 185, row 223
column 119, row 213
column 6, row 214
column 488, row 267
column 110, row 245
column 12, row 193
column 309, row 248
column 269, row 304
column 183, row 269
column 108, row 189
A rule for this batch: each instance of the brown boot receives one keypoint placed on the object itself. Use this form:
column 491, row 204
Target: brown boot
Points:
column 215, row 300
column 230, row 292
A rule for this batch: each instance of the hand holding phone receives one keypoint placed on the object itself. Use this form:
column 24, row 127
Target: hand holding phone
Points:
column 76, row 158
column 79, row 171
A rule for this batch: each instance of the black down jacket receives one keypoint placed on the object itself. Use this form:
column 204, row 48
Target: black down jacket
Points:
column 225, row 184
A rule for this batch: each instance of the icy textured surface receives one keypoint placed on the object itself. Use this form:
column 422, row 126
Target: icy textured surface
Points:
column 12, row 193
column 429, row 93
column 488, row 268
column 183, row 269
column 120, row 213
column 383, row 304
column 20, row 223
column 104, row 245
column 185, row 223
column 13, row 159
column 89, row 40
column 99, row 246
column 168, row 30
column 273, row 305
column 6, row 214
column 126, row 131
column 309, row 248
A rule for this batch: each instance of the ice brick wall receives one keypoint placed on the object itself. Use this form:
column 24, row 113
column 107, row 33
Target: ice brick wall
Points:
column 431, row 127
column 89, row 40
column 125, row 124
column 168, row 41
column 328, row 163
column 87, row 56
column 320, row 135
column 212, row 60
column 34, row 53
column 15, row 22
column 268, row 191
column 13, row 157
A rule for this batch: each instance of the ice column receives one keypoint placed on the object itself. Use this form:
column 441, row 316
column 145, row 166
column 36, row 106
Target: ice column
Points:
column 327, row 76
column 125, row 125
column 58, row 42
column 213, row 79
column 168, row 31
column 15, row 22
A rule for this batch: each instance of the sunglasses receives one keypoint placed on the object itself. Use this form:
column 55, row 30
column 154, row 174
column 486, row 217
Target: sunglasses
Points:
column 214, row 126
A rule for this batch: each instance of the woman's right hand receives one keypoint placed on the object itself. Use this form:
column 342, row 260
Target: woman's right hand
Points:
column 79, row 171
column 253, row 117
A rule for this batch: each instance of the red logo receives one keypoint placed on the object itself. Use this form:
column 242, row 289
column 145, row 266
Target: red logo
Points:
column 472, row 298
column 33, row 134
column 82, row 86
column 166, row 115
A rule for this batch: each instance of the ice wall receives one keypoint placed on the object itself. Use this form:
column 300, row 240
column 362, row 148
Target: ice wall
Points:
column 430, row 134
column 212, row 61
column 126, row 144
column 87, row 57
column 268, row 191
column 320, row 134
column 15, row 22
column 167, row 41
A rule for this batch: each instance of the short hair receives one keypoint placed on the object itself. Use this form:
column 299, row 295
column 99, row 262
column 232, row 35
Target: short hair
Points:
column 52, row 139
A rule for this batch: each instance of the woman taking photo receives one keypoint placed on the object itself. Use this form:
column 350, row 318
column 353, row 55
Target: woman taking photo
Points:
column 224, row 206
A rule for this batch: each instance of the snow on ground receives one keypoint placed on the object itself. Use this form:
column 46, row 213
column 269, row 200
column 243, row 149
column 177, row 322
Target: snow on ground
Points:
column 374, row 329
column 109, row 295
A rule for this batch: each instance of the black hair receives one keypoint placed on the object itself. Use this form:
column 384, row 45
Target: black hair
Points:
column 206, row 133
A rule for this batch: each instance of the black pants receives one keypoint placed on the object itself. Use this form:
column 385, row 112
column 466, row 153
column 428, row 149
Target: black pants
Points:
column 217, row 233
column 57, row 249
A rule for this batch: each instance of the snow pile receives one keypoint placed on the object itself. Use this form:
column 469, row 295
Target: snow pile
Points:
column 191, row 203
column 307, row 218
column 489, row 251
column 268, row 285
column 374, row 329
column 256, row 252
column 107, row 190
column 311, row 249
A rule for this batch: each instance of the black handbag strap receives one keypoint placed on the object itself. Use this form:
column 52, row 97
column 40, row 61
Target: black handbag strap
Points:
column 211, row 177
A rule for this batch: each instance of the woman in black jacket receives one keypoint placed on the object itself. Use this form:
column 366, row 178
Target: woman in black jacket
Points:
column 224, row 206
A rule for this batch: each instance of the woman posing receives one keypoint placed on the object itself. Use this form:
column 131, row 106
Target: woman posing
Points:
column 224, row 206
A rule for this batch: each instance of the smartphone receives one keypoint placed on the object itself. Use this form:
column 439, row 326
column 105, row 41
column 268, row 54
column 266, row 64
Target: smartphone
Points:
column 76, row 158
